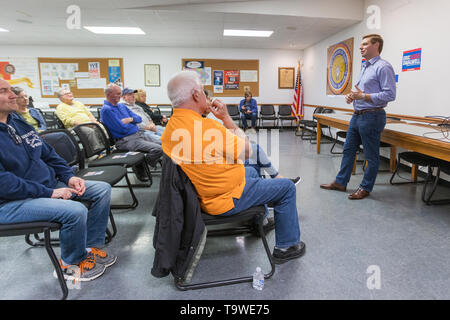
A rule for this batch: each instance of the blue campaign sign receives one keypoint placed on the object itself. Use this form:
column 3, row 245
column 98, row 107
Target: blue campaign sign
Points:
column 412, row 60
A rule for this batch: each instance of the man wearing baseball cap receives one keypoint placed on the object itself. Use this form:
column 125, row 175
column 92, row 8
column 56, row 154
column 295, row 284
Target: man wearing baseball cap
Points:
column 122, row 123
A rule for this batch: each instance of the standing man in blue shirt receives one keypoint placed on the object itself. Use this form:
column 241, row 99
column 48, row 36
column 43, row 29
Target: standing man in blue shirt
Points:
column 374, row 89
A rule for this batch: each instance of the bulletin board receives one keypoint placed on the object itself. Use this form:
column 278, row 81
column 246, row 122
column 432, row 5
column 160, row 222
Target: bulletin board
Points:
column 85, row 77
column 226, row 78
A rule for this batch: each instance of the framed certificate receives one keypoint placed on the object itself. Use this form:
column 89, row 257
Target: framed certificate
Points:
column 286, row 78
column 152, row 75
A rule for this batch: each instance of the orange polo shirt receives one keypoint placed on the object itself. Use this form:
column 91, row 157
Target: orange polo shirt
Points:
column 209, row 155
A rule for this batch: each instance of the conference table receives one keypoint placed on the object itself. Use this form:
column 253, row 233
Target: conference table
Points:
column 419, row 137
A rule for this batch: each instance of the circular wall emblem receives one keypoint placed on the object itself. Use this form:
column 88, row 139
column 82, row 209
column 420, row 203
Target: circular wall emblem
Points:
column 10, row 69
column 339, row 69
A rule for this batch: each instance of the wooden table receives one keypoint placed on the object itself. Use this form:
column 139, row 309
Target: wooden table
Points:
column 415, row 137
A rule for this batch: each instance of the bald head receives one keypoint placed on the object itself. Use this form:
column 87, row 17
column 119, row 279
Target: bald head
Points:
column 113, row 93
column 182, row 86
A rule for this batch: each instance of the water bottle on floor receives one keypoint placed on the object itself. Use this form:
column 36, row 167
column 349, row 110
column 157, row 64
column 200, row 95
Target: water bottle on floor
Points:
column 258, row 279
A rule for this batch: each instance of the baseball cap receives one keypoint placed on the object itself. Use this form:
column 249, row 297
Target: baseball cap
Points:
column 127, row 91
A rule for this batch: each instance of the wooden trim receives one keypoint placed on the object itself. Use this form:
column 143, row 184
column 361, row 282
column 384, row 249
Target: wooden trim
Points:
column 401, row 116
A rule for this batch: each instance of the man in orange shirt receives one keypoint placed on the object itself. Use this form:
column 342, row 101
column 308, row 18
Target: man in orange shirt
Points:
column 212, row 157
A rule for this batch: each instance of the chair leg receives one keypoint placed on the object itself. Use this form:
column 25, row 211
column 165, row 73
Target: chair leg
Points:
column 110, row 235
column 51, row 254
column 185, row 287
column 40, row 242
column 308, row 137
column 334, row 144
column 427, row 198
column 135, row 202
column 391, row 180
column 313, row 141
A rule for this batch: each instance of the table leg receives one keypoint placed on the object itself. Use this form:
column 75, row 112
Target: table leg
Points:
column 354, row 164
column 393, row 158
column 318, row 135
column 414, row 172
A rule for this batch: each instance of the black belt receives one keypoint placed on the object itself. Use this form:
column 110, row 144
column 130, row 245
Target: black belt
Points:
column 358, row 112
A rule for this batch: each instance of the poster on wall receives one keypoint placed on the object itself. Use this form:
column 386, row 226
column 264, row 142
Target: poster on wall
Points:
column 412, row 60
column 218, row 77
column 249, row 75
column 339, row 68
column 94, row 70
column 114, row 72
column 22, row 72
column 231, row 79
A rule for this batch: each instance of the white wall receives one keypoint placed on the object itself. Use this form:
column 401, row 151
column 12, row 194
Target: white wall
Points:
column 169, row 60
column 405, row 25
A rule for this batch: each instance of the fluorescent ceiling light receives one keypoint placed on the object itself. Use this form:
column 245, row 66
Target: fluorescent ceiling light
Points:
column 115, row 30
column 246, row 33
column 3, row 30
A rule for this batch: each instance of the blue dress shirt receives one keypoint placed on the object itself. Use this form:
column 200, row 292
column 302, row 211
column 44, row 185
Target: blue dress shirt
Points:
column 377, row 78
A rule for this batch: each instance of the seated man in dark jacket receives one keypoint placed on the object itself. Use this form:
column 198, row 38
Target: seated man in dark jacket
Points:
column 38, row 185
column 141, row 98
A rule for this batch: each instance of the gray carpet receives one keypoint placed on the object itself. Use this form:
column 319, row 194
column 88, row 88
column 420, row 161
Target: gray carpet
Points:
column 407, row 241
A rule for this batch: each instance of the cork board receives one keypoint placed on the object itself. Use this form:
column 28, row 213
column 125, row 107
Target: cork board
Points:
column 85, row 77
column 234, row 76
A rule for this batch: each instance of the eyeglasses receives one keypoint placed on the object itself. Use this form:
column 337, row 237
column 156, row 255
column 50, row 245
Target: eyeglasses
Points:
column 13, row 134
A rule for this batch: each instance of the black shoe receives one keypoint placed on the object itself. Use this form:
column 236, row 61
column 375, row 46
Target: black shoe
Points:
column 293, row 252
column 296, row 180
column 140, row 173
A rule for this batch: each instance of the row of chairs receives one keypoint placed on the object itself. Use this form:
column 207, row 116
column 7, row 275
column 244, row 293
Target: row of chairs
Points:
column 267, row 112
column 110, row 168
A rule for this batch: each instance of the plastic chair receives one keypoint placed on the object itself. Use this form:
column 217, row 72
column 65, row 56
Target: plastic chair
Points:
column 285, row 113
column 252, row 214
column 444, row 166
column 233, row 111
column 92, row 149
column 267, row 112
column 416, row 159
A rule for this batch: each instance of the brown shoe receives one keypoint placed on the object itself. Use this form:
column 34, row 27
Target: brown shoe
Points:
column 358, row 194
column 333, row 186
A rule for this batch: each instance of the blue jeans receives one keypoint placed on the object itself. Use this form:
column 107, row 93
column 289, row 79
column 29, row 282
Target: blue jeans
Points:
column 365, row 128
column 282, row 193
column 155, row 136
column 81, row 227
column 259, row 160
column 245, row 116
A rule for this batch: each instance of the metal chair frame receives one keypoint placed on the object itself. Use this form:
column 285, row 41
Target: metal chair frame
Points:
column 217, row 220
column 45, row 227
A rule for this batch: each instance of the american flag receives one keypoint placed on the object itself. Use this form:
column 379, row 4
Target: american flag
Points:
column 297, row 106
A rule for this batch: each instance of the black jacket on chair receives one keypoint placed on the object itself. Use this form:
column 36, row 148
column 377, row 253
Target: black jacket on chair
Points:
column 180, row 233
